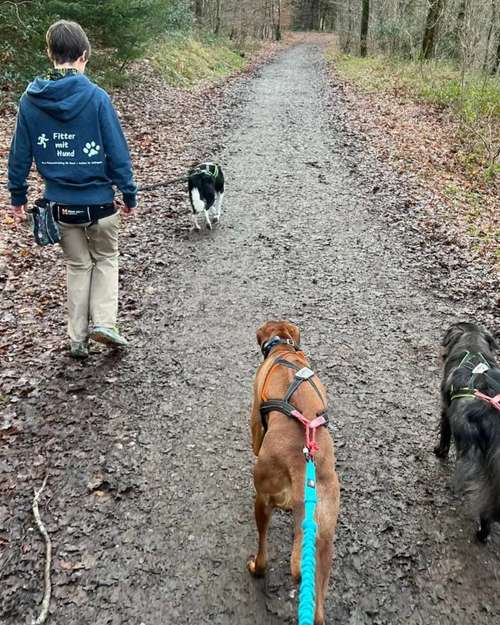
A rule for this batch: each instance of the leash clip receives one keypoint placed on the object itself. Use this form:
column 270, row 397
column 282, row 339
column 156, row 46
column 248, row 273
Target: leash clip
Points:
column 311, row 426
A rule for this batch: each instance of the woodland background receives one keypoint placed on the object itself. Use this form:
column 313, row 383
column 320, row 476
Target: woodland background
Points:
column 442, row 54
column 463, row 32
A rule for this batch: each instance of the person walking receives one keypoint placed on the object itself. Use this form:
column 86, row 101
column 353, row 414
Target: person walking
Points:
column 68, row 126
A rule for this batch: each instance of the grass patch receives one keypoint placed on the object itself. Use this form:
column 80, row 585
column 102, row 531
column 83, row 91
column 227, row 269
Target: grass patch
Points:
column 482, row 228
column 182, row 59
column 185, row 61
column 437, row 82
column 473, row 98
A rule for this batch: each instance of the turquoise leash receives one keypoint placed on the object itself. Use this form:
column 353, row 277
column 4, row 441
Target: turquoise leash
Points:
column 307, row 595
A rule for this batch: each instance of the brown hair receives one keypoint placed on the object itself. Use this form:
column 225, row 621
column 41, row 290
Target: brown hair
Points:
column 66, row 42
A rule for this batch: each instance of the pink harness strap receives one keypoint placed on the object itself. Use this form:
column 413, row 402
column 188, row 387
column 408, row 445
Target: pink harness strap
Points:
column 494, row 401
column 311, row 427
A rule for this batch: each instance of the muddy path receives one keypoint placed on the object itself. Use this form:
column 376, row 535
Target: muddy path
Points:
column 151, row 496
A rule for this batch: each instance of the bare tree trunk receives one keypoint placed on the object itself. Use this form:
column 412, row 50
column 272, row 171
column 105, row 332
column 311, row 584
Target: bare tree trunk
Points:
column 277, row 27
column 309, row 24
column 496, row 63
column 217, row 17
column 330, row 11
column 490, row 33
column 198, row 9
column 349, row 26
column 460, row 30
column 316, row 10
column 365, row 18
column 431, row 28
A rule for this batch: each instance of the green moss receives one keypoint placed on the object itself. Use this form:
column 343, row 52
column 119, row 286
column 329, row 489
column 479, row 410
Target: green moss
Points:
column 184, row 61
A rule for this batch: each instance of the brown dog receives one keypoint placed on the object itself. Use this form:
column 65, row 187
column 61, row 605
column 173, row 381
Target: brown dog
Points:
column 278, row 441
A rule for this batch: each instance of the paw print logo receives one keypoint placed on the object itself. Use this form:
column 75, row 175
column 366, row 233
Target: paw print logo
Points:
column 91, row 148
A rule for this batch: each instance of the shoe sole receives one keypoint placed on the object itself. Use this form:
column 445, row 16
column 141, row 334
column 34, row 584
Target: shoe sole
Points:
column 105, row 340
column 79, row 356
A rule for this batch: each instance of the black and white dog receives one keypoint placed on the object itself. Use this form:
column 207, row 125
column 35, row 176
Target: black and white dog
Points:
column 206, row 192
column 470, row 393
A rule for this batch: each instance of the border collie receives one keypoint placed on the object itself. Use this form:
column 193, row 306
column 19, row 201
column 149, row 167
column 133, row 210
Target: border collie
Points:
column 206, row 192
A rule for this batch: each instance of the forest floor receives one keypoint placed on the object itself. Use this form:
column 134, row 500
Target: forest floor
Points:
column 149, row 501
column 433, row 141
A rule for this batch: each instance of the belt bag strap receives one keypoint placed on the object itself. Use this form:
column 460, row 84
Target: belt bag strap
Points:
column 83, row 214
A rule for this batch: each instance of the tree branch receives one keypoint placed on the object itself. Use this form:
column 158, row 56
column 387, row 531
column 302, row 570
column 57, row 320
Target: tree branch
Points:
column 48, row 558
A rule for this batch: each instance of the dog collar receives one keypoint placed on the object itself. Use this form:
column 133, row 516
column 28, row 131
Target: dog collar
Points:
column 276, row 340
column 462, row 393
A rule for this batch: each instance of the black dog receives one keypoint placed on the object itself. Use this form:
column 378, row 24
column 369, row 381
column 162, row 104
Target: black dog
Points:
column 206, row 192
column 474, row 421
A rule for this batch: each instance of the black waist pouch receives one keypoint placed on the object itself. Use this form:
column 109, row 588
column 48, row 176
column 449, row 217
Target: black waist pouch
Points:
column 43, row 224
column 80, row 214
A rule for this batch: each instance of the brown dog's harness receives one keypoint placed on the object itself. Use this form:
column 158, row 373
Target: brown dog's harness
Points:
column 284, row 405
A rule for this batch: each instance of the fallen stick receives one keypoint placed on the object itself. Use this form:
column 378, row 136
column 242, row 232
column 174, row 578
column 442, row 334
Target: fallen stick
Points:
column 48, row 558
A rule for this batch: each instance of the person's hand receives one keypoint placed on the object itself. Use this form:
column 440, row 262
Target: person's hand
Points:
column 128, row 211
column 19, row 212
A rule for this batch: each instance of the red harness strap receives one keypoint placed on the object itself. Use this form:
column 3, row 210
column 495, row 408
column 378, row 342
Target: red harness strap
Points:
column 311, row 427
column 494, row 401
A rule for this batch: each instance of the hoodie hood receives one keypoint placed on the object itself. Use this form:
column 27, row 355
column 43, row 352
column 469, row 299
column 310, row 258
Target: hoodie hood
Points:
column 62, row 99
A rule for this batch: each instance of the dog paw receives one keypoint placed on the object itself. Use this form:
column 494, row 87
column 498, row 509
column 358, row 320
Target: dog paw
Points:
column 441, row 452
column 252, row 568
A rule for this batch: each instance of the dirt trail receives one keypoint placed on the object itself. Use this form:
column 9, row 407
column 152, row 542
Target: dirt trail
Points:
column 155, row 496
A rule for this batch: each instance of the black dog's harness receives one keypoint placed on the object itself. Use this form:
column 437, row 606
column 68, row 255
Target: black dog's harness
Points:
column 476, row 363
column 302, row 374
column 206, row 169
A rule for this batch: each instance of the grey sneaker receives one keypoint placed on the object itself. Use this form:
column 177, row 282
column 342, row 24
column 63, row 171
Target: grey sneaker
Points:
column 108, row 336
column 79, row 349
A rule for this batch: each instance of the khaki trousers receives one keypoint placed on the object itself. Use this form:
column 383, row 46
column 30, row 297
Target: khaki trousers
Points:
column 91, row 254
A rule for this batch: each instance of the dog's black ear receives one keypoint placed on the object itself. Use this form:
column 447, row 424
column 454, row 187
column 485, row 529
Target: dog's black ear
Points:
column 452, row 335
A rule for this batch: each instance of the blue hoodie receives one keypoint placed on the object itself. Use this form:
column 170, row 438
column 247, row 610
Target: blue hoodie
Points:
column 71, row 130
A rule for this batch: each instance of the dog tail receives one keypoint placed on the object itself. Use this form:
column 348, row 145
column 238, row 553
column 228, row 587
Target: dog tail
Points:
column 477, row 473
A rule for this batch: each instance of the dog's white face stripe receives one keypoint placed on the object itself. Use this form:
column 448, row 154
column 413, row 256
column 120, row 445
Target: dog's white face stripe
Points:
column 198, row 203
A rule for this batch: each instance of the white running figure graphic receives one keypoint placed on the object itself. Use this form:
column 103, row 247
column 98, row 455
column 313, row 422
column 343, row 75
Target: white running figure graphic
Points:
column 91, row 148
column 43, row 140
